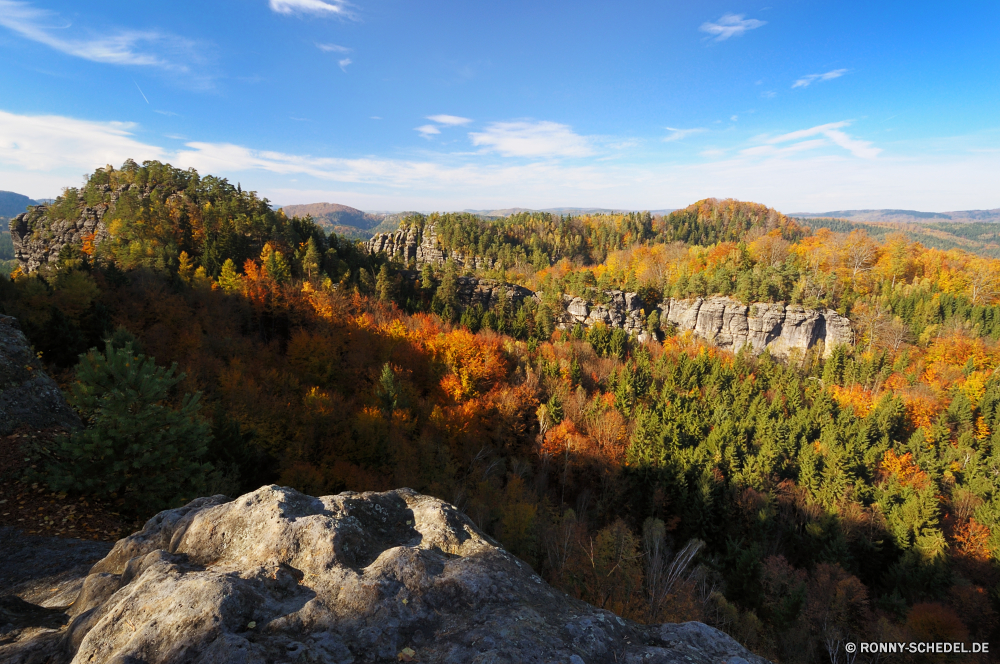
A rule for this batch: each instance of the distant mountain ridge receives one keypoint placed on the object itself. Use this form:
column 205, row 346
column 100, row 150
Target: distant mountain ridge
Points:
column 13, row 204
column 345, row 220
column 906, row 216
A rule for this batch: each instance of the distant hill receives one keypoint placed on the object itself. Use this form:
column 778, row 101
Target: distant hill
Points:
column 342, row 219
column 976, row 237
column 905, row 216
column 12, row 204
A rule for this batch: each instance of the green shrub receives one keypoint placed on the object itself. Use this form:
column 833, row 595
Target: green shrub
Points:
column 135, row 445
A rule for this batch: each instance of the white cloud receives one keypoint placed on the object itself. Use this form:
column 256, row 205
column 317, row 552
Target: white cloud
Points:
column 679, row 134
column 333, row 48
column 52, row 142
column 110, row 46
column 427, row 130
column 317, row 7
column 532, row 139
column 450, row 120
column 41, row 154
column 832, row 133
column 730, row 25
column 805, row 81
column 343, row 63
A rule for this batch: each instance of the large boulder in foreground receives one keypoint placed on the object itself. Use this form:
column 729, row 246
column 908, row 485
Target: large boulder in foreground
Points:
column 28, row 396
column 278, row 576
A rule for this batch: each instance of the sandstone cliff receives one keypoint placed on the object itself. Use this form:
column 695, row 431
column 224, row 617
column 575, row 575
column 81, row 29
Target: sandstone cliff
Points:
column 28, row 396
column 278, row 576
column 38, row 238
column 725, row 322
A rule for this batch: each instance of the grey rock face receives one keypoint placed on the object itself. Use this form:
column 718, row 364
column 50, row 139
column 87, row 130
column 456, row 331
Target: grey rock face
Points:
column 27, row 394
column 277, row 576
column 38, row 240
column 403, row 246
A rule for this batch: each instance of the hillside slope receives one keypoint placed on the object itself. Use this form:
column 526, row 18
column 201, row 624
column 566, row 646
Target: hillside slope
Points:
column 12, row 204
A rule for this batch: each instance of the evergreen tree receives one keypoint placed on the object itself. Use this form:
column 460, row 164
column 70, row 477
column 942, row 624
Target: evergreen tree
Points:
column 313, row 257
column 446, row 298
column 135, row 445
column 383, row 285
column 426, row 277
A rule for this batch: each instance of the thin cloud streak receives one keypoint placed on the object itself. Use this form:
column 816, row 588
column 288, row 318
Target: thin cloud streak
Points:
column 730, row 25
column 805, row 81
column 122, row 47
column 333, row 48
column 427, row 130
column 532, row 139
column 316, row 7
column 450, row 120
column 679, row 134
column 831, row 131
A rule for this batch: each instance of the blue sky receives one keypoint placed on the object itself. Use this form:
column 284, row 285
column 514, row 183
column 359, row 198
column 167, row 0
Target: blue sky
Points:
column 388, row 105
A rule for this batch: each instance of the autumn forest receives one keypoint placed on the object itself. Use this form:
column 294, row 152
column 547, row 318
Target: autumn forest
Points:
column 837, row 495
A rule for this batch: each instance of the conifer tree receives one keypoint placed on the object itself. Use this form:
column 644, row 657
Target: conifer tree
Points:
column 135, row 445
column 383, row 285
column 311, row 260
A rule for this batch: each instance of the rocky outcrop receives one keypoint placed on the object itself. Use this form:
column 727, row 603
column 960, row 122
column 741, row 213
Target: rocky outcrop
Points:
column 779, row 328
column 278, row 576
column 486, row 292
column 28, row 396
column 403, row 246
column 38, row 239
column 725, row 322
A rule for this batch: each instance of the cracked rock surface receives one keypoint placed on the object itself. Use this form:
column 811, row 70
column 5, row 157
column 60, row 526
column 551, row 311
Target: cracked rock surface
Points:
column 278, row 576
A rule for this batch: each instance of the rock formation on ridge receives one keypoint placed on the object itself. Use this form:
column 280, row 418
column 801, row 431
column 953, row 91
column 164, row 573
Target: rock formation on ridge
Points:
column 278, row 576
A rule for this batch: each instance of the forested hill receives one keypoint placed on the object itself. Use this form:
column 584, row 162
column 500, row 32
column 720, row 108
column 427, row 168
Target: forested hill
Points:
column 793, row 504
column 12, row 204
column 340, row 219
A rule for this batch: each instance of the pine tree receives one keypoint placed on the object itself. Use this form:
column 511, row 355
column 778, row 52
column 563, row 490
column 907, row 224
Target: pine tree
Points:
column 135, row 445
column 311, row 260
column 383, row 285
column 426, row 277
column 447, row 293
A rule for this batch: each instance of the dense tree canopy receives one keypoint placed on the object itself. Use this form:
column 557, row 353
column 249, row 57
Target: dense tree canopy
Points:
column 794, row 504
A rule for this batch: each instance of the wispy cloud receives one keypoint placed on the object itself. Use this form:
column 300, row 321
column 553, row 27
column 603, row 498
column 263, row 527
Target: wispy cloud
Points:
column 40, row 154
column 317, row 7
column 679, row 134
column 532, row 139
column 343, row 63
column 450, row 120
column 427, row 130
column 805, row 81
column 46, row 142
column 333, row 48
column 730, row 25
column 147, row 48
column 831, row 133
